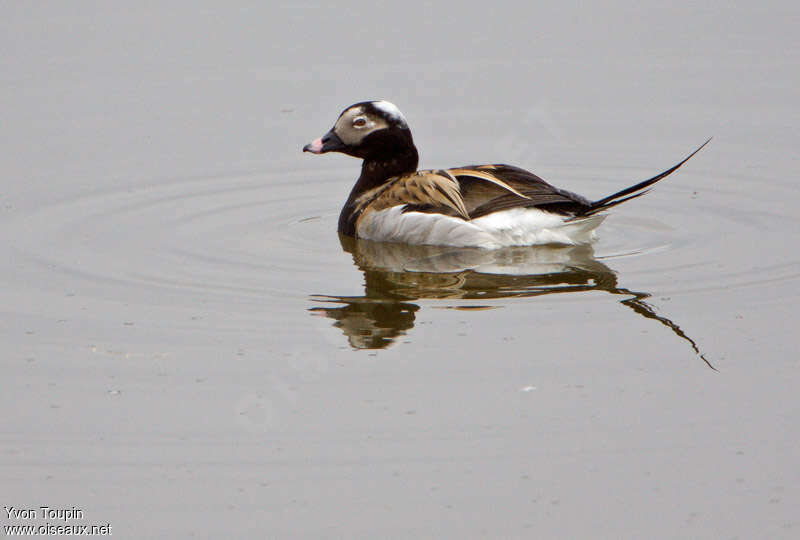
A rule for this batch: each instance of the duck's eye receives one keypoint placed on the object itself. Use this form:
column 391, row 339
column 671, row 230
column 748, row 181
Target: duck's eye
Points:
column 360, row 122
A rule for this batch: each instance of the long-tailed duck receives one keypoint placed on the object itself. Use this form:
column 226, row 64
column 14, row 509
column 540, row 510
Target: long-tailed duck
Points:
column 487, row 206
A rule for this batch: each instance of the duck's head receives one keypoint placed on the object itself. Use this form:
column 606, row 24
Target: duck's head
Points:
column 371, row 130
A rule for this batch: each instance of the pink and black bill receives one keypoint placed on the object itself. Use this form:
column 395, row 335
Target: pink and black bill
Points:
column 330, row 142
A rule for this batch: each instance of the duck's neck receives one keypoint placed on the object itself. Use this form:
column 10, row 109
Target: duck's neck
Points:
column 374, row 173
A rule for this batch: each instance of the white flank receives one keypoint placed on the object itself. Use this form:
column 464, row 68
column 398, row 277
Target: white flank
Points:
column 513, row 227
column 391, row 110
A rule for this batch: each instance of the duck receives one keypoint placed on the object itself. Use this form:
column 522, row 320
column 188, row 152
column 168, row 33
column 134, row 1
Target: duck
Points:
column 485, row 206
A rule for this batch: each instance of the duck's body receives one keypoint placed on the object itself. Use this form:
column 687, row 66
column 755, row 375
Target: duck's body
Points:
column 487, row 206
column 468, row 206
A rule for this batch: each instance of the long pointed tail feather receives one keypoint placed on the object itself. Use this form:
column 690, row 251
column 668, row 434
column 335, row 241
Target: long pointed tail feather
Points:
column 634, row 191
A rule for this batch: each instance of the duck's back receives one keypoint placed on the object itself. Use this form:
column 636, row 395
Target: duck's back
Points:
column 483, row 198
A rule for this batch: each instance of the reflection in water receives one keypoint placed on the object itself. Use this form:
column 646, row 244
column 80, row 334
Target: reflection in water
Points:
column 397, row 274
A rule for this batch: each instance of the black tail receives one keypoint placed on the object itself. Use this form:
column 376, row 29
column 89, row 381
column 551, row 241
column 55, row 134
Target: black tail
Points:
column 634, row 191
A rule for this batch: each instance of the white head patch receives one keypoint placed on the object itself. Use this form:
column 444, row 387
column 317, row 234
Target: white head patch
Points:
column 391, row 110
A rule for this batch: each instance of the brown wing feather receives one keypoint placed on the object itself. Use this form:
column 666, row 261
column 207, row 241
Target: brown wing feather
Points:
column 489, row 177
column 424, row 188
column 482, row 198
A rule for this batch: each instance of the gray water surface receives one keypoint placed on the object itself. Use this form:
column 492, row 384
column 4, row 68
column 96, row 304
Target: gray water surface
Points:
column 190, row 350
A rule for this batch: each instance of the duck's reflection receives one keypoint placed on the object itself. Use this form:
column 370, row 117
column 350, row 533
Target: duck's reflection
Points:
column 396, row 274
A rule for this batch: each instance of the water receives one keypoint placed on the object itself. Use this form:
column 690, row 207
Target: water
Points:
column 189, row 349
